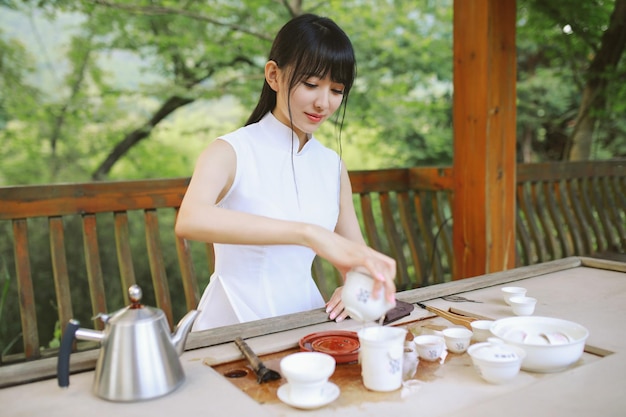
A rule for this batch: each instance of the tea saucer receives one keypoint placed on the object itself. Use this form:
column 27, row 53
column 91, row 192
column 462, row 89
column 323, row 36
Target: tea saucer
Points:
column 331, row 393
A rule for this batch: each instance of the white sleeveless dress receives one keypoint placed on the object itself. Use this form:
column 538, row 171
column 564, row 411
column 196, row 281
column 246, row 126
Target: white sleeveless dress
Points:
column 252, row 282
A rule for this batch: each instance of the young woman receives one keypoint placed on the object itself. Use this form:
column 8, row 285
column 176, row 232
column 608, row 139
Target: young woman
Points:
column 270, row 196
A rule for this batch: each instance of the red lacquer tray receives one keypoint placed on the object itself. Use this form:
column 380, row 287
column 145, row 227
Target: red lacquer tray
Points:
column 340, row 344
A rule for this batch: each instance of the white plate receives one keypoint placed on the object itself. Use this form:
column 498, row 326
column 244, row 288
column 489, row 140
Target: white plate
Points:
column 331, row 393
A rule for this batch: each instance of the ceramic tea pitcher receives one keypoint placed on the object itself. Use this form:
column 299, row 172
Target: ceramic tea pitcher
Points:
column 138, row 357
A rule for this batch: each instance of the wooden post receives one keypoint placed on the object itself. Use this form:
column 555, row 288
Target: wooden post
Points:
column 484, row 136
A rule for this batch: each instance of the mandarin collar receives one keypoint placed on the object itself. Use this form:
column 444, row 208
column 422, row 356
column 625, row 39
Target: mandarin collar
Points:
column 281, row 136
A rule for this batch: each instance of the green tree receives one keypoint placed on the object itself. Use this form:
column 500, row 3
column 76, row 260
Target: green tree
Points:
column 140, row 87
column 570, row 66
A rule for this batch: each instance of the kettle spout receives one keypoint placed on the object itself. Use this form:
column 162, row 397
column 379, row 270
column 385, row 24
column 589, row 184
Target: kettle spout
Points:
column 182, row 331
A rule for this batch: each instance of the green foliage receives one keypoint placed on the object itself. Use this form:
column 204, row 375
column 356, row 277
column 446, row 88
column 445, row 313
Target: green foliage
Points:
column 117, row 63
column 556, row 42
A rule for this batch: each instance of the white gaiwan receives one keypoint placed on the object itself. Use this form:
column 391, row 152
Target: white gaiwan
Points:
column 358, row 298
column 307, row 376
column 495, row 361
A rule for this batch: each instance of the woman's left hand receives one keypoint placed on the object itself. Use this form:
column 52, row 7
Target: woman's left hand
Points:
column 335, row 307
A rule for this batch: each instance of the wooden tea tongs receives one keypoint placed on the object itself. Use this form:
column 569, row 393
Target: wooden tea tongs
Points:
column 450, row 316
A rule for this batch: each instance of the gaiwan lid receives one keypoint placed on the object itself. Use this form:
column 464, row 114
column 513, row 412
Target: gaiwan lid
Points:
column 495, row 350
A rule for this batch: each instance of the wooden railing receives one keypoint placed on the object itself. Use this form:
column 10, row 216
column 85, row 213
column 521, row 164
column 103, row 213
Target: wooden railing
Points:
column 71, row 250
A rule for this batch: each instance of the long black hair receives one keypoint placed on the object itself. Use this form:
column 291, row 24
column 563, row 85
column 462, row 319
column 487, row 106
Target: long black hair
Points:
column 310, row 46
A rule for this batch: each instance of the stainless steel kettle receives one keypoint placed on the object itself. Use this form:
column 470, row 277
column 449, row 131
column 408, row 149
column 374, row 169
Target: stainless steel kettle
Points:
column 138, row 357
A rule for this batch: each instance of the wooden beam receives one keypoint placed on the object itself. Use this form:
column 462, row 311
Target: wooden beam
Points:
column 484, row 136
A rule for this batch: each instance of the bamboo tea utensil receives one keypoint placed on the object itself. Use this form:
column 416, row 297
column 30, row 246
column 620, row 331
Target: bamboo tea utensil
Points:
column 263, row 374
column 450, row 316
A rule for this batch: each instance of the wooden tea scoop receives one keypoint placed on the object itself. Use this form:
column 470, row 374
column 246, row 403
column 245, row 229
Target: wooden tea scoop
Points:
column 263, row 374
column 451, row 317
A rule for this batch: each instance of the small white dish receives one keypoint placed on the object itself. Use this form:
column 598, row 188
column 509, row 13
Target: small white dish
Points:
column 331, row 393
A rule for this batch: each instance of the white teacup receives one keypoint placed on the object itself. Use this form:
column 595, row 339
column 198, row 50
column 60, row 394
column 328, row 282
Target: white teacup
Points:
column 457, row 339
column 522, row 305
column 382, row 357
column 508, row 292
column 482, row 330
column 358, row 298
column 429, row 347
column 307, row 374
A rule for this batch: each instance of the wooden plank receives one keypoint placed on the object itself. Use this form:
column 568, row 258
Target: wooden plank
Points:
column 575, row 246
column 431, row 178
column 609, row 215
column 441, row 205
column 427, row 237
column 210, row 254
column 93, row 197
column 574, row 191
column 484, row 111
column 124, row 255
column 523, row 241
column 94, row 268
column 598, row 242
column 157, row 266
column 59, row 271
column 619, row 194
column 369, row 222
column 187, row 273
column 31, row 371
column 407, row 225
column 25, row 289
column 403, row 281
column 526, row 205
column 379, row 180
column 547, row 227
column 550, row 192
column 555, row 171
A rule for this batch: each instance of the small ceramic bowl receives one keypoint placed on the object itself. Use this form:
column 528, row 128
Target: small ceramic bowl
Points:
column 495, row 361
column 482, row 330
column 429, row 347
column 523, row 306
column 508, row 292
column 457, row 339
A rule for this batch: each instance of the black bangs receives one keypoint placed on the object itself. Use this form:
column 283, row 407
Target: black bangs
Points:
column 322, row 53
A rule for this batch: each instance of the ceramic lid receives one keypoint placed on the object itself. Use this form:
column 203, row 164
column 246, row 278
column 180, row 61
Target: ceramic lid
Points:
column 494, row 350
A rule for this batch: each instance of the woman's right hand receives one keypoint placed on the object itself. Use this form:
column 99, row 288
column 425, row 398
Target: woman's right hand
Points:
column 345, row 254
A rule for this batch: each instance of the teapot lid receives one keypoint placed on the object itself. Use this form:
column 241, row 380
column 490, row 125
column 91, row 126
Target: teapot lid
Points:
column 136, row 311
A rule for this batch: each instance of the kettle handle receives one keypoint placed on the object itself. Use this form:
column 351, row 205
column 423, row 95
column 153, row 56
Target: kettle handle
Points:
column 63, row 363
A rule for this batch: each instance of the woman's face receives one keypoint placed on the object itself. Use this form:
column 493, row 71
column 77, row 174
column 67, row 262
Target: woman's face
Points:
column 313, row 100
